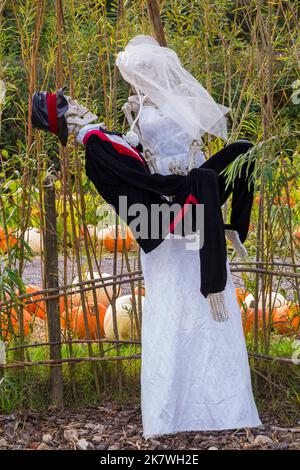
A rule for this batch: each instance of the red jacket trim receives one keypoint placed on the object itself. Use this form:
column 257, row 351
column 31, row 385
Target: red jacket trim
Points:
column 122, row 149
column 189, row 200
column 52, row 112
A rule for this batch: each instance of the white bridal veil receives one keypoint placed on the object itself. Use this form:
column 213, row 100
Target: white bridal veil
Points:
column 156, row 72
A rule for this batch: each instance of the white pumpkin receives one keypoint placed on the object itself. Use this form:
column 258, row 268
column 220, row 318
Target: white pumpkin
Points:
column 126, row 321
column 102, row 234
column 103, row 295
column 33, row 238
column 277, row 300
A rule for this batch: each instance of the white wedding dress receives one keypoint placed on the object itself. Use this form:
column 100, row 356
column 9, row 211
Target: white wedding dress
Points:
column 195, row 372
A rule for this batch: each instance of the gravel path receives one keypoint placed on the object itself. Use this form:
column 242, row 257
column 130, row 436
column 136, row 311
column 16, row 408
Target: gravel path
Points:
column 33, row 269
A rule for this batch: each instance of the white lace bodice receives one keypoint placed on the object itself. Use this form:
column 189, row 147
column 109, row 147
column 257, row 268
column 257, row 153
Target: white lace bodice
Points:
column 166, row 140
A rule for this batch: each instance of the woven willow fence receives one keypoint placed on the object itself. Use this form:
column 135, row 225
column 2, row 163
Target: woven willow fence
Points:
column 284, row 271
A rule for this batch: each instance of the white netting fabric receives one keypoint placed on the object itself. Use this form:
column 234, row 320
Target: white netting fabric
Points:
column 156, row 72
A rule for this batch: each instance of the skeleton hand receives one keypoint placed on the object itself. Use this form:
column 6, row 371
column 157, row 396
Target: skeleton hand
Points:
column 78, row 116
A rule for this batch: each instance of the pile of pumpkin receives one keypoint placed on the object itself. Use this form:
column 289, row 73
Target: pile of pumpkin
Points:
column 9, row 319
column 7, row 239
column 72, row 313
column 107, row 237
column 101, row 313
column 284, row 317
column 32, row 238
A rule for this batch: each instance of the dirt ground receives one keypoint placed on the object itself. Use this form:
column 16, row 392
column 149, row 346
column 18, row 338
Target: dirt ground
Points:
column 112, row 427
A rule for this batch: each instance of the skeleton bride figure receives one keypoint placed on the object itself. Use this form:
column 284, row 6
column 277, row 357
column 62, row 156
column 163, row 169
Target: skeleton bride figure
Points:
column 195, row 372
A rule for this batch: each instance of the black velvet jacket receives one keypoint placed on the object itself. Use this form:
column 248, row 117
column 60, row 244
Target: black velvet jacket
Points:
column 117, row 170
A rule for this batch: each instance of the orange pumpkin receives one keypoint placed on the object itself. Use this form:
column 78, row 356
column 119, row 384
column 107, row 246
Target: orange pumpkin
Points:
column 12, row 240
column 104, row 294
column 296, row 236
column 256, row 199
column 38, row 307
column 141, row 289
column 72, row 312
column 10, row 325
column 247, row 315
column 35, row 306
column 279, row 201
column 284, row 201
column 286, row 319
column 78, row 325
column 251, row 227
column 73, row 302
column 248, row 319
column 241, row 294
column 109, row 238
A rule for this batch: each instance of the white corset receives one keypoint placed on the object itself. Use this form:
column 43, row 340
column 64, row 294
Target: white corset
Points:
column 166, row 140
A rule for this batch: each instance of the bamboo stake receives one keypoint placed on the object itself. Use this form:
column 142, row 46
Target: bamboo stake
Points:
column 133, row 301
column 120, row 20
column 102, row 63
column 31, row 71
column 114, row 298
column 79, row 273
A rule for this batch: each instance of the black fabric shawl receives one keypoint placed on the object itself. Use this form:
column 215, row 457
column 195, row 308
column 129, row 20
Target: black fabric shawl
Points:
column 115, row 174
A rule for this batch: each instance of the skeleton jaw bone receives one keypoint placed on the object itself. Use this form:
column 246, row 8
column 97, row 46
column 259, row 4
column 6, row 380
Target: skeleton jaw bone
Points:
column 78, row 116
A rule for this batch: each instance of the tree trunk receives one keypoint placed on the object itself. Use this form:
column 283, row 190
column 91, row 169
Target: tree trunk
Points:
column 51, row 280
column 156, row 23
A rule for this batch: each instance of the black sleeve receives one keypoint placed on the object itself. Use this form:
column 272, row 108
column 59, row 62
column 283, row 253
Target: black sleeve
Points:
column 140, row 148
column 106, row 165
